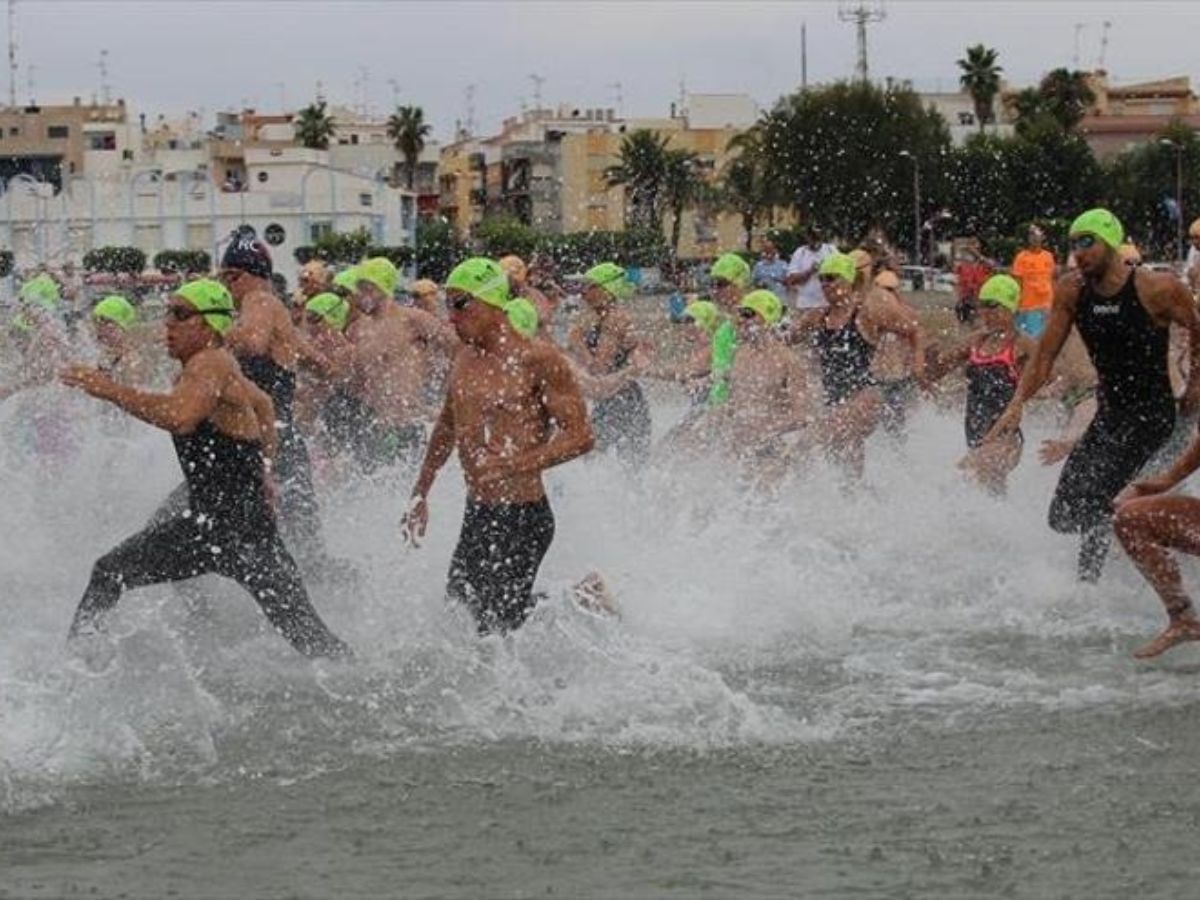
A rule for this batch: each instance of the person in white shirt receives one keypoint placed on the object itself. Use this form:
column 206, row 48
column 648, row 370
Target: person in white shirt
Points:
column 804, row 287
column 1191, row 268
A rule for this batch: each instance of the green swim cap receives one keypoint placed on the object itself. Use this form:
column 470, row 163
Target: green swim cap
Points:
column 41, row 291
column 484, row 280
column 116, row 309
column 522, row 316
column 379, row 271
column 330, row 307
column 705, row 314
column 1102, row 224
column 1003, row 290
column 612, row 278
column 839, row 264
column 21, row 322
column 347, row 279
column 766, row 304
column 211, row 298
column 732, row 268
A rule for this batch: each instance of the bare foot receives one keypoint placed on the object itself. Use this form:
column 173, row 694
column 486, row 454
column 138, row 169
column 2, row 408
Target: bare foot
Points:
column 593, row 595
column 1178, row 632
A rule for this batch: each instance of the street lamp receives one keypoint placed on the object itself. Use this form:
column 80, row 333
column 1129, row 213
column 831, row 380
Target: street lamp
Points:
column 1178, row 148
column 916, row 207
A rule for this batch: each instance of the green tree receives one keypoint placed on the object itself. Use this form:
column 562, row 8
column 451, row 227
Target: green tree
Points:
column 438, row 249
column 748, row 186
column 504, row 234
column 1067, row 96
column 835, row 151
column 981, row 79
column 641, row 171
column 408, row 129
column 314, row 126
column 1141, row 188
column 682, row 188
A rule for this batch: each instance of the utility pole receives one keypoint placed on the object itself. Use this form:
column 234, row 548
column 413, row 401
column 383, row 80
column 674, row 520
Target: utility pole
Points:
column 105, row 89
column 395, row 86
column 538, row 81
column 12, row 53
column 1103, row 44
column 469, row 122
column 862, row 16
column 615, row 87
column 804, row 56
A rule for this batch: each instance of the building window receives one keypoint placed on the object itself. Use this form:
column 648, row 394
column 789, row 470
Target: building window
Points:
column 365, row 200
column 102, row 140
column 354, row 139
column 14, row 131
column 58, row 132
column 318, row 230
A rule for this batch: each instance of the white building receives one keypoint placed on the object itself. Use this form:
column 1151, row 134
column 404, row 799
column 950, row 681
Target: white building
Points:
column 292, row 196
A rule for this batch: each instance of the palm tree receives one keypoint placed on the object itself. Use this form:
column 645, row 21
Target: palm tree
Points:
column 981, row 79
column 1067, row 96
column 641, row 172
column 408, row 129
column 747, row 185
column 682, row 185
column 314, row 127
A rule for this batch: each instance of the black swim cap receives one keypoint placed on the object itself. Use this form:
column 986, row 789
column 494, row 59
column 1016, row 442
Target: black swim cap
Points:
column 247, row 253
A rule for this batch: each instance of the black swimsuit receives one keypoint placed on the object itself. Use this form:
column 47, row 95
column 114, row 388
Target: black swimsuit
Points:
column 227, row 528
column 845, row 357
column 1135, row 415
column 620, row 422
column 298, row 502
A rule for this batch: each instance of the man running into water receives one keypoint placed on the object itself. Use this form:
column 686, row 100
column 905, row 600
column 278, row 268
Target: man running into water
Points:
column 269, row 349
column 769, row 393
column 608, row 345
column 223, row 428
column 1123, row 316
column 512, row 411
column 396, row 351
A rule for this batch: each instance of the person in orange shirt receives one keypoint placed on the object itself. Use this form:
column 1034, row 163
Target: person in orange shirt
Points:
column 1034, row 268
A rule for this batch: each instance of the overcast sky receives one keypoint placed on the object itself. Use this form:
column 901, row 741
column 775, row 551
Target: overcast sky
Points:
column 178, row 55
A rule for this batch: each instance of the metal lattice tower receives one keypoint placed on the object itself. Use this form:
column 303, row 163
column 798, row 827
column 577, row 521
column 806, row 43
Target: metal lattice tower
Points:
column 862, row 16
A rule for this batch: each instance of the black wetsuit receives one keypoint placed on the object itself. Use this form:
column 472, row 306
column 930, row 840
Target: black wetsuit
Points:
column 620, row 422
column 845, row 357
column 228, row 529
column 1135, row 416
column 298, row 501
column 499, row 551
column 991, row 384
column 352, row 426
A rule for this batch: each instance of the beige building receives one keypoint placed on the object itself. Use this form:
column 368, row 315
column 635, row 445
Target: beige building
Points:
column 548, row 169
column 51, row 143
column 1124, row 116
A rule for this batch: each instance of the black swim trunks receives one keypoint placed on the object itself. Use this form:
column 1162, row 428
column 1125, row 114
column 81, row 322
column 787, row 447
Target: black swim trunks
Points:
column 500, row 548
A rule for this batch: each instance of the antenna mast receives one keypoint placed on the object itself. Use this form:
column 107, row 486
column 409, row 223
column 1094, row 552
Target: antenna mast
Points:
column 538, row 81
column 862, row 16
column 12, row 53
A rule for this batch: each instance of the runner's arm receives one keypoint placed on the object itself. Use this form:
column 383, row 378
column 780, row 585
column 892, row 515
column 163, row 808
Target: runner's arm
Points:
column 1181, row 309
column 264, row 411
column 192, row 399
column 441, row 445
column 572, row 435
column 251, row 331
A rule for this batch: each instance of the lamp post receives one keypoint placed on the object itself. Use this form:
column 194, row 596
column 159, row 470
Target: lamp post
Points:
column 1178, row 148
column 916, row 206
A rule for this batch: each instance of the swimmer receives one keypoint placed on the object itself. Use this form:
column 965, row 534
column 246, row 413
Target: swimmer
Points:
column 223, row 428
column 512, row 411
